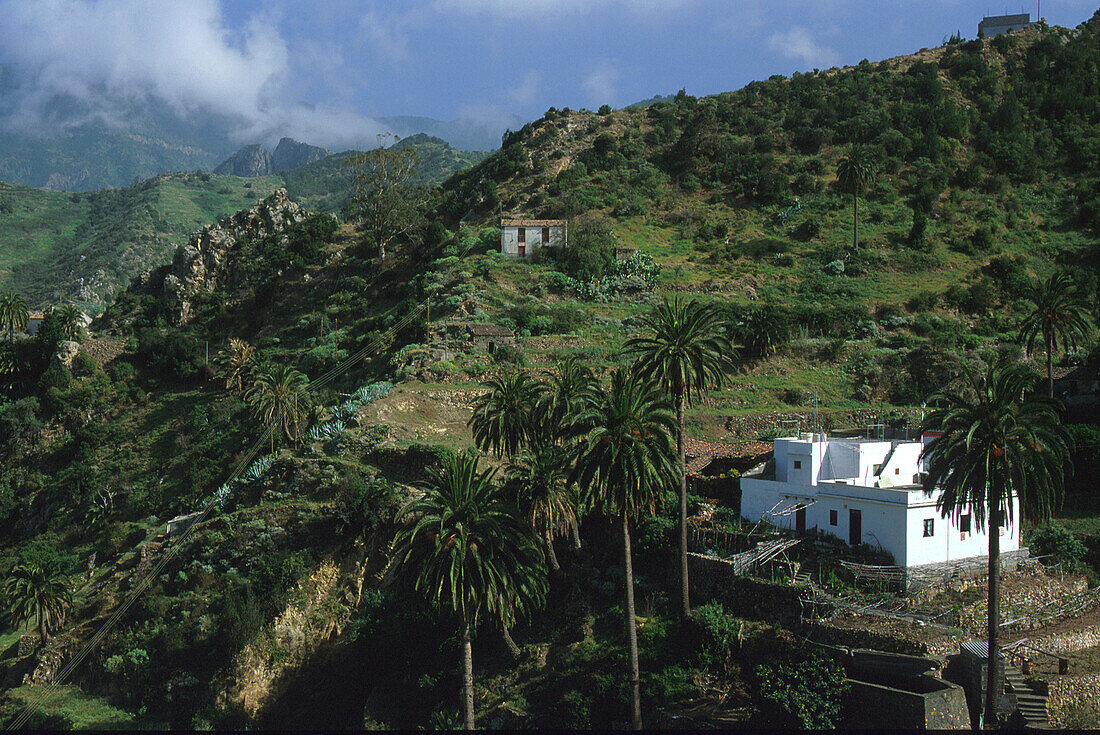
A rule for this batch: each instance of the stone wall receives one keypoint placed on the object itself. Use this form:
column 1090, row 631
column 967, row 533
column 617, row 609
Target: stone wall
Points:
column 1073, row 692
column 751, row 426
column 713, row 578
column 937, row 705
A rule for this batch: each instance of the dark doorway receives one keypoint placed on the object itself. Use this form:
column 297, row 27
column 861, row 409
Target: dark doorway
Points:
column 492, row 348
column 855, row 527
column 800, row 519
column 522, row 251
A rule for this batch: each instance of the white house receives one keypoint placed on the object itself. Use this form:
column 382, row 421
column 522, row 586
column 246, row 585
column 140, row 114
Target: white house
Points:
column 522, row 237
column 865, row 491
column 995, row 25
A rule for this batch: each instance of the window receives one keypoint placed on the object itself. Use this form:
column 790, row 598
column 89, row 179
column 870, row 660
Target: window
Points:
column 798, row 464
column 964, row 523
column 546, row 234
column 521, row 234
column 876, row 470
column 928, row 527
column 832, row 517
column 897, row 470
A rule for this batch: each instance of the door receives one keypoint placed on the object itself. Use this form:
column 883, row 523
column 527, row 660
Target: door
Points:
column 522, row 251
column 855, row 526
column 800, row 519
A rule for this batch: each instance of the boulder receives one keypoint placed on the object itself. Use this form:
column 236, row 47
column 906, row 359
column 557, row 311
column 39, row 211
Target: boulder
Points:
column 66, row 352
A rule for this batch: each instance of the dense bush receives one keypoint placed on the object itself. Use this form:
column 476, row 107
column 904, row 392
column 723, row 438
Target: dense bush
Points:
column 803, row 688
column 170, row 353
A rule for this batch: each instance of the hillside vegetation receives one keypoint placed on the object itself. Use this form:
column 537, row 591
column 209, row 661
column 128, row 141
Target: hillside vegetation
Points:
column 285, row 607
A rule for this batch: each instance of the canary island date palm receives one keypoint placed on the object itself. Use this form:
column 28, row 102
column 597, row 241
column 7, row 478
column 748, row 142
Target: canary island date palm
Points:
column 239, row 366
column 280, row 399
column 1060, row 316
column 623, row 458
column 13, row 313
column 854, row 172
column 686, row 350
column 34, row 592
column 71, row 321
column 503, row 418
column 539, row 478
column 993, row 447
column 468, row 551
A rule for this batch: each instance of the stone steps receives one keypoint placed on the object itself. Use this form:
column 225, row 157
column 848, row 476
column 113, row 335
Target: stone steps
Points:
column 1031, row 705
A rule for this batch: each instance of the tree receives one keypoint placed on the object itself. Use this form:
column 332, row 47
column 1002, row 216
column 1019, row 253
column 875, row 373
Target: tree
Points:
column 239, row 367
column 502, row 418
column 32, row 591
column 280, row 399
column 539, row 477
column 71, row 321
column 623, row 458
column 995, row 446
column 1060, row 315
column 687, row 353
column 469, row 552
column 13, row 313
column 387, row 201
column 855, row 171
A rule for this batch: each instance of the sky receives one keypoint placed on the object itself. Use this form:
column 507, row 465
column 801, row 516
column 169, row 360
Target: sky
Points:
column 323, row 70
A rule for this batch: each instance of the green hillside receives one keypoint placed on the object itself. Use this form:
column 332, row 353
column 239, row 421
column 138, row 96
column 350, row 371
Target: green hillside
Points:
column 288, row 605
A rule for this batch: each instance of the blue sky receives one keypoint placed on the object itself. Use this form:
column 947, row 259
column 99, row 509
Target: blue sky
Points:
column 355, row 60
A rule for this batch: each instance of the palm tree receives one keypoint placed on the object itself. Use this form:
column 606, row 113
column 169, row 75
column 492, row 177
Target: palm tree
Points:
column 502, row 419
column 539, row 478
column 687, row 352
column 855, row 171
column 280, row 399
column 468, row 551
column 33, row 592
column 240, row 364
column 995, row 446
column 13, row 313
column 623, row 459
column 1060, row 315
column 70, row 320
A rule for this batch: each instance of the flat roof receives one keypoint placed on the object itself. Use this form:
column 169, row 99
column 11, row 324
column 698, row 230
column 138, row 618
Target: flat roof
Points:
column 532, row 222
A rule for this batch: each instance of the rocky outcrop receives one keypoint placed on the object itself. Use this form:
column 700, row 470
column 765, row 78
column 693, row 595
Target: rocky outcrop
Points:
column 200, row 265
column 254, row 160
column 66, row 352
column 292, row 154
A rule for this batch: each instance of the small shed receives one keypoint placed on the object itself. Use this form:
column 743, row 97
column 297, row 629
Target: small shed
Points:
column 34, row 319
column 488, row 337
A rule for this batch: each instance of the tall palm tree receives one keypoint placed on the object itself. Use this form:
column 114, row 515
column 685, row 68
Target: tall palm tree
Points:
column 468, row 551
column 1061, row 315
column 539, row 477
column 687, row 352
column 557, row 403
column 854, row 172
column 241, row 356
column 624, row 457
column 280, row 399
column 502, row 418
column 994, row 447
column 35, row 592
column 70, row 320
column 13, row 313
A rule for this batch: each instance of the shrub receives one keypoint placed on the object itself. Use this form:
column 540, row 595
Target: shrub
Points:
column 1061, row 546
column 509, row 354
column 806, row 690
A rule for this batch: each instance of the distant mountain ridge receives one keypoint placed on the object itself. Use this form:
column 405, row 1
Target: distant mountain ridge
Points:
column 254, row 160
column 464, row 133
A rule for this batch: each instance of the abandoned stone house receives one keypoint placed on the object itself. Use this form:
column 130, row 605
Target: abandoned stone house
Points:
column 486, row 338
column 521, row 238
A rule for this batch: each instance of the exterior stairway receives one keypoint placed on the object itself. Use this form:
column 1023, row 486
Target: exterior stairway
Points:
column 1031, row 704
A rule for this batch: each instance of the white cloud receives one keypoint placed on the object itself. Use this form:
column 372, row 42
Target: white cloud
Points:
column 175, row 53
column 798, row 44
column 600, row 83
column 527, row 90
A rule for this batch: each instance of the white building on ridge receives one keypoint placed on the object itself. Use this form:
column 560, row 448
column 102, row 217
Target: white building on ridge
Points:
column 865, row 491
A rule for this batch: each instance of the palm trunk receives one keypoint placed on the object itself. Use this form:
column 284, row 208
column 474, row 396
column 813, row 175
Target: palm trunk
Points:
column 632, row 631
column 575, row 532
column 467, row 676
column 994, row 683
column 855, row 221
column 511, row 644
column 43, row 632
column 1050, row 368
column 550, row 555
column 685, row 600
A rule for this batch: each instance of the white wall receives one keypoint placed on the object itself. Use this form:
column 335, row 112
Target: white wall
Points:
column 947, row 542
column 509, row 239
